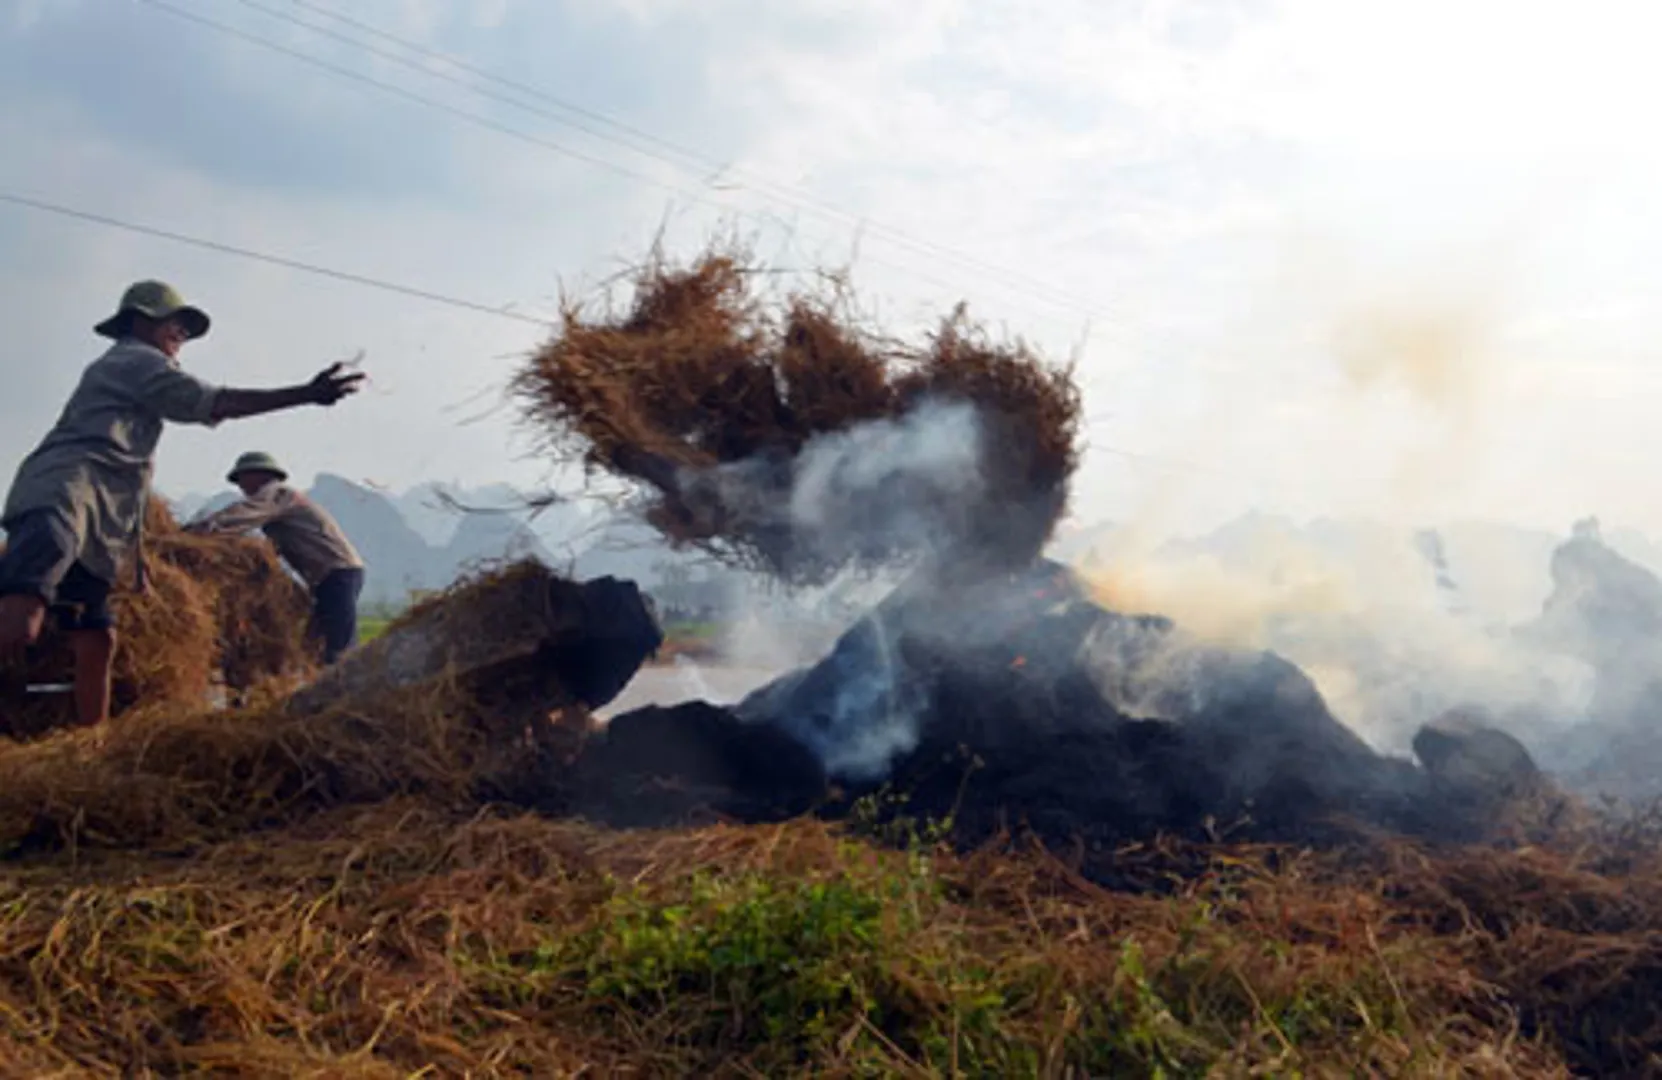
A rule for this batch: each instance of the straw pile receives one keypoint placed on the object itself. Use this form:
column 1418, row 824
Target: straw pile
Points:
column 260, row 611
column 701, row 375
column 216, row 611
column 452, row 702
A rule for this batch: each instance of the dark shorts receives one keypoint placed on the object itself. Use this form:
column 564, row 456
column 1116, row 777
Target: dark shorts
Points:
column 335, row 612
column 40, row 560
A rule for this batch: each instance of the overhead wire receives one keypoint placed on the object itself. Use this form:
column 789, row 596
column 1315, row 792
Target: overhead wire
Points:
column 1116, row 327
column 794, row 197
column 273, row 260
column 429, row 295
column 864, row 228
column 394, row 287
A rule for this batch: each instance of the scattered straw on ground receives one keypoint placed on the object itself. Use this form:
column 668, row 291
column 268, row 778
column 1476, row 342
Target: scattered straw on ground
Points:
column 701, row 374
column 388, row 940
column 270, row 895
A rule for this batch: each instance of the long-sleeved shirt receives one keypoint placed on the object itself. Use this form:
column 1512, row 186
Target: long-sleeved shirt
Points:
column 94, row 466
column 305, row 535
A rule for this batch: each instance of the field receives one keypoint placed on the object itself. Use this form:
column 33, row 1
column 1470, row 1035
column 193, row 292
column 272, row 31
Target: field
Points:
column 346, row 929
column 694, row 640
column 371, row 627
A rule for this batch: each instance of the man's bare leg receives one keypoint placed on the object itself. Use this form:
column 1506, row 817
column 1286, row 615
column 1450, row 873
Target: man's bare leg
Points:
column 21, row 620
column 94, row 660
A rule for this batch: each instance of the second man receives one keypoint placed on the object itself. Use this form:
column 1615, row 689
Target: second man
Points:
column 306, row 536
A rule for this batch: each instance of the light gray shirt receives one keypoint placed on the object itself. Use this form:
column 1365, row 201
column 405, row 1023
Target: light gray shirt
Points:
column 304, row 534
column 94, row 466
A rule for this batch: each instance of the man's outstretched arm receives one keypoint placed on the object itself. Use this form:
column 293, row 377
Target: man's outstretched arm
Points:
column 326, row 388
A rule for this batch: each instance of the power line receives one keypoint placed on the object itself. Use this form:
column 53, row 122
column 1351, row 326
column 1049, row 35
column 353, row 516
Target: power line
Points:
column 491, row 125
column 273, row 260
column 784, row 193
column 430, row 296
column 1117, row 330
column 489, row 76
column 1039, row 290
column 410, row 95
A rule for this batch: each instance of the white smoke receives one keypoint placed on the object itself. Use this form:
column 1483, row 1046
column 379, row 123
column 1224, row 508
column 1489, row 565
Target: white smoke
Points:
column 901, row 485
column 905, row 486
column 1385, row 632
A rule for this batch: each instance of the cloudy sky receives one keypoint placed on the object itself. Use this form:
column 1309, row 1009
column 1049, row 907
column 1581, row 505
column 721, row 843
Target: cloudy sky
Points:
column 1315, row 256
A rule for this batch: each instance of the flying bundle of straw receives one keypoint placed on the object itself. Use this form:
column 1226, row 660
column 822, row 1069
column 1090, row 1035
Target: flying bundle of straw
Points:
column 700, row 376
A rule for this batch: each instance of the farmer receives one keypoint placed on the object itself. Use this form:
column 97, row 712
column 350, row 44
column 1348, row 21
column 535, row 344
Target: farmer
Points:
column 76, row 506
column 306, row 537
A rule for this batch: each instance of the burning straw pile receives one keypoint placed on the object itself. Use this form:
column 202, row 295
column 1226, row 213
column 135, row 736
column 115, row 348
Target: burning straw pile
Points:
column 715, row 400
column 215, row 611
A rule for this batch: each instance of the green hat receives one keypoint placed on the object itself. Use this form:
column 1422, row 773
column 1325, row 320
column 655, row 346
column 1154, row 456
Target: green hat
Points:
column 158, row 300
column 256, row 461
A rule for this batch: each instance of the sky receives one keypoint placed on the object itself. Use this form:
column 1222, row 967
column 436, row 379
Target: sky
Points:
column 1314, row 257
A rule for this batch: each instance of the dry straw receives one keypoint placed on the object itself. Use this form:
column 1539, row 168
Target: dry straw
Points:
column 215, row 612
column 702, row 372
column 175, row 776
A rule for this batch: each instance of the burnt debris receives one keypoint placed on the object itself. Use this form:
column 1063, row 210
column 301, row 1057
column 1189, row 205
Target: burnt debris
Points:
column 1018, row 705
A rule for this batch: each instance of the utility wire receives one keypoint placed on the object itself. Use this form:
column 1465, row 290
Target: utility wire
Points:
column 784, row 193
column 220, row 247
column 1117, row 329
column 461, row 65
column 273, row 260
column 503, row 129
column 1043, row 293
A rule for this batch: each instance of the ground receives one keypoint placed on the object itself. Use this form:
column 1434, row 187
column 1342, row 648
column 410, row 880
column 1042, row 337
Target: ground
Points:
column 402, row 936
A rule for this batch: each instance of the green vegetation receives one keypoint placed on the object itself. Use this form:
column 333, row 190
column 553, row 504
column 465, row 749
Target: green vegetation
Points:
column 397, row 940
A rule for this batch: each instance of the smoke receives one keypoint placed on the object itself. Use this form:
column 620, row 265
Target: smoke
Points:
column 1214, row 603
column 1434, row 349
column 1380, row 626
column 905, row 486
column 871, row 495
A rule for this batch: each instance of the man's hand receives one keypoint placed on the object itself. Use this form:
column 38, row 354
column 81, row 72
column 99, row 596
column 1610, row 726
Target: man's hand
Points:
column 334, row 383
column 326, row 387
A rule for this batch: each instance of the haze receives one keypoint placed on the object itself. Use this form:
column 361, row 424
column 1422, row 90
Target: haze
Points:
column 1319, row 258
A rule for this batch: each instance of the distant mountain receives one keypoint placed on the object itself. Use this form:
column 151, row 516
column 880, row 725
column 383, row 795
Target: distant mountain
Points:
column 398, row 560
column 461, row 528
column 487, row 537
column 191, row 506
column 427, row 513
column 1075, row 540
column 436, row 510
column 423, row 537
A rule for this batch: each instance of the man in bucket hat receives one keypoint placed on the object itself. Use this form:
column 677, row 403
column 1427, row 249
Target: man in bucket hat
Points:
column 308, row 539
column 76, row 506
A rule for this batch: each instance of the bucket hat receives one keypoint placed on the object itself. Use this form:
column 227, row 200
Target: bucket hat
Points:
column 256, row 461
column 158, row 300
